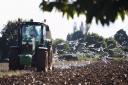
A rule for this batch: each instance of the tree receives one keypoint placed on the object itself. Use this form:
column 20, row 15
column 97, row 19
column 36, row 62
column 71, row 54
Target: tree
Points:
column 56, row 42
column 69, row 37
column 94, row 39
column 66, row 47
column 60, row 45
column 121, row 37
column 111, row 43
column 105, row 11
column 9, row 36
column 77, row 35
column 9, row 32
column 3, row 48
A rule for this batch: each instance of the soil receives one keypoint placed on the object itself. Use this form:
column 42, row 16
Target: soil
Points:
column 98, row 73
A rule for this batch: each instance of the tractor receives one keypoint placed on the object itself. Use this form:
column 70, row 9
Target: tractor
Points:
column 33, row 48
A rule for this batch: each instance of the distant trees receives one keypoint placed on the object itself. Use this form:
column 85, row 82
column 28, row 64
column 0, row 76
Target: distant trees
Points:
column 69, row 37
column 94, row 39
column 110, row 43
column 90, row 39
column 76, row 35
column 57, row 41
column 121, row 37
column 9, row 36
column 60, row 45
column 95, row 42
column 9, row 32
column 3, row 48
column 116, row 46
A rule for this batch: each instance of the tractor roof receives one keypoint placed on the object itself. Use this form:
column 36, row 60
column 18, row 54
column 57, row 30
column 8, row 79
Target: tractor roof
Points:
column 33, row 23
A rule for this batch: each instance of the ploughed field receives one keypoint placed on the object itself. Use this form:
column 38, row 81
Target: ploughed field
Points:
column 97, row 73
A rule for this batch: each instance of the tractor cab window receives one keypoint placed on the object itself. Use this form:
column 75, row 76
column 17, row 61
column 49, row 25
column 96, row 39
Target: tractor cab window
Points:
column 30, row 33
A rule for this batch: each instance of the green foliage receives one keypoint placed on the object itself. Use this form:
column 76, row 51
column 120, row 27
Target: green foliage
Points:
column 61, row 45
column 69, row 37
column 77, row 35
column 9, row 32
column 104, row 11
column 3, row 47
column 9, row 36
column 110, row 43
column 87, row 57
column 56, row 42
column 121, row 37
column 94, row 39
column 11, row 73
column 66, row 46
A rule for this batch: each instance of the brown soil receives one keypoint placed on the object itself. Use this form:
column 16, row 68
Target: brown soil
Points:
column 98, row 73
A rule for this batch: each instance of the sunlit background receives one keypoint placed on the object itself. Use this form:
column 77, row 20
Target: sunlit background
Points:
column 59, row 24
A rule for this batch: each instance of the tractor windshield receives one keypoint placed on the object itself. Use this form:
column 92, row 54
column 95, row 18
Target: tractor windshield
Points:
column 31, row 33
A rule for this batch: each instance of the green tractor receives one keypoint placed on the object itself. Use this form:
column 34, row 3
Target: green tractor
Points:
column 33, row 49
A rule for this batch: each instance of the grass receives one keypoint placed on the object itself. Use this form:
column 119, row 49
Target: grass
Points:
column 11, row 73
column 4, row 71
column 87, row 58
column 118, row 58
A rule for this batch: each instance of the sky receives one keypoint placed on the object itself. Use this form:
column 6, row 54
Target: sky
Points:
column 60, row 26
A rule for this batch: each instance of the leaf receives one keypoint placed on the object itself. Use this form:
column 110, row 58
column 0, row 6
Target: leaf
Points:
column 90, row 8
column 122, row 15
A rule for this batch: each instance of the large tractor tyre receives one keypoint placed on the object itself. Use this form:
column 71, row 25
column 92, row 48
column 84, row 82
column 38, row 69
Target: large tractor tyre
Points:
column 13, row 58
column 33, row 64
column 42, row 59
column 50, row 57
column 21, row 67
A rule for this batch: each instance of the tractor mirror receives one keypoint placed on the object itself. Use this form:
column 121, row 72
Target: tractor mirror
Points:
column 47, row 28
column 48, row 33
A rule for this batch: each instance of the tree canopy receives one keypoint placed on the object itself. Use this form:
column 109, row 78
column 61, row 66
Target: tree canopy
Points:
column 104, row 11
column 121, row 37
column 9, row 32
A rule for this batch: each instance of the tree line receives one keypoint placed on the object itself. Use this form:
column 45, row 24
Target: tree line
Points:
column 9, row 37
column 118, row 43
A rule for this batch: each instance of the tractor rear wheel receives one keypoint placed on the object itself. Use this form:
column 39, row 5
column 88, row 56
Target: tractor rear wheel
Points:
column 13, row 58
column 33, row 64
column 42, row 59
